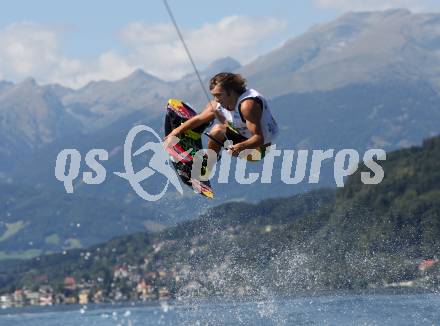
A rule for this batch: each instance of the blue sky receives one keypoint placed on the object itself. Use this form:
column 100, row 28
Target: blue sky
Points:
column 92, row 26
column 74, row 42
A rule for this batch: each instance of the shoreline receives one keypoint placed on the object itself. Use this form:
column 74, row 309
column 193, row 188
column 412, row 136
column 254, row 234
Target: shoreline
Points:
column 173, row 302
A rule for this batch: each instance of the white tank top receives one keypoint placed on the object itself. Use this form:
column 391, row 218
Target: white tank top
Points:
column 268, row 123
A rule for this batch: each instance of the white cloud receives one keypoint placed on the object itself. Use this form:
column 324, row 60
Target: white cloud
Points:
column 157, row 47
column 108, row 66
column 371, row 5
column 33, row 50
column 136, row 32
column 22, row 44
column 30, row 49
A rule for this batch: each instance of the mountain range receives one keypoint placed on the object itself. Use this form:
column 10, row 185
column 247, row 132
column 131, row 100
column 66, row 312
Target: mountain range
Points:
column 364, row 80
column 393, row 46
column 364, row 47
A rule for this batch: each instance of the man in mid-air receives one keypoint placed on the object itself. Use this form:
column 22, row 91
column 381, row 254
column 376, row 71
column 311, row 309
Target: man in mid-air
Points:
column 243, row 114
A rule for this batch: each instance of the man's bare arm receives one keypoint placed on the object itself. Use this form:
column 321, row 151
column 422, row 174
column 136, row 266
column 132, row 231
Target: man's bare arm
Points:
column 252, row 112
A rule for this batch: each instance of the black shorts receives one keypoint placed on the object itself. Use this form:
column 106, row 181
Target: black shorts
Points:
column 235, row 137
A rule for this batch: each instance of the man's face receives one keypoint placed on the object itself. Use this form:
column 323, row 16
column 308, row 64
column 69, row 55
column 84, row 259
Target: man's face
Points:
column 226, row 100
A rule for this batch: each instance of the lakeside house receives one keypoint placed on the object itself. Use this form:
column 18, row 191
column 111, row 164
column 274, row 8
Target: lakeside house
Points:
column 70, row 283
column 83, row 297
column 164, row 294
column 427, row 264
column 144, row 290
column 6, row 301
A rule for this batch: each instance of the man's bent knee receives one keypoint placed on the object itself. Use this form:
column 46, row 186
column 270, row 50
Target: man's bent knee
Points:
column 217, row 137
column 219, row 131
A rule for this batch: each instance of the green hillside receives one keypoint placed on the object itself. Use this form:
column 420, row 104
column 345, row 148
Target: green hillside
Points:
column 357, row 237
column 375, row 233
column 35, row 222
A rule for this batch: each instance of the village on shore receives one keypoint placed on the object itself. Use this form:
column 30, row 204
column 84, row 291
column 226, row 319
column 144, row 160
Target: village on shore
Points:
column 136, row 283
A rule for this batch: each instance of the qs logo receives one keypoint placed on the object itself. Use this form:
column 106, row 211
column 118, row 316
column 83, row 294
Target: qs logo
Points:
column 158, row 164
column 345, row 163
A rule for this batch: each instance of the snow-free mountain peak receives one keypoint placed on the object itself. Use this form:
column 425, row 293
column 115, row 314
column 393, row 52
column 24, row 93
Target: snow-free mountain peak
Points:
column 220, row 65
column 141, row 75
column 355, row 48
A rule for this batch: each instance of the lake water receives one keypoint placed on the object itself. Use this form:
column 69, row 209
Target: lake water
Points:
column 414, row 309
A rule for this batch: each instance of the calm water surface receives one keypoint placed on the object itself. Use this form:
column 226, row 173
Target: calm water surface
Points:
column 414, row 309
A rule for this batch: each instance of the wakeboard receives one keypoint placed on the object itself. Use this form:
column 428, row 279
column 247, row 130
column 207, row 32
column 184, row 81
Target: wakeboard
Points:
column 182, row 154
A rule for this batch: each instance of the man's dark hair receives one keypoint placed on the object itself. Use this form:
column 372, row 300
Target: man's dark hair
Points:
column 229, row 82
